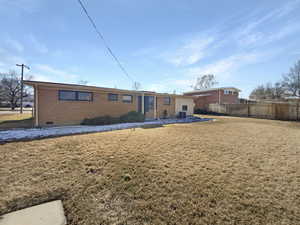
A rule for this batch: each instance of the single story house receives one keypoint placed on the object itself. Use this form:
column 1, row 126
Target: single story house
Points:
column 222, row 95
column 69, row 104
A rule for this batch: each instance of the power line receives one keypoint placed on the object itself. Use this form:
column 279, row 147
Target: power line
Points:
column 104, row 41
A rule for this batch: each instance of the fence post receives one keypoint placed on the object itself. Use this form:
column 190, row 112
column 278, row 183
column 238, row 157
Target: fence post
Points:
column 297, row 110
column 248, row 110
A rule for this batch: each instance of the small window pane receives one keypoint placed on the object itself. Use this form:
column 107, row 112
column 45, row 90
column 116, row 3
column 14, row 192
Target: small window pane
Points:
column 112, row 97
column 127, row 98
column 184, row 108
column 84, row 96
column 167, row 100
column 67, row 95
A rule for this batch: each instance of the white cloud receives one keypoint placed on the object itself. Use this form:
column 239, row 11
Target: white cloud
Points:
column 190, row 53
column 41, row 77
column 46, row 71
column 285, row 31
column 159, row 87
column 247, row 34
column 224, row 68
column 37, row 45
column 275, row 14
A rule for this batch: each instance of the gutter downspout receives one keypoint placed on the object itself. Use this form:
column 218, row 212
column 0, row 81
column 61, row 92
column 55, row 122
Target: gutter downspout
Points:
column 155, row 108
column 143, row 104
column 219, row 96
column 36, row 114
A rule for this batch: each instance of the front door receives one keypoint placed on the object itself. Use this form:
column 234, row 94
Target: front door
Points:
column 149, row 106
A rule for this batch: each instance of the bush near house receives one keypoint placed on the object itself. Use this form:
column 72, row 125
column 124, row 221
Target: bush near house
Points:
column 206, row 112
column 130, row 117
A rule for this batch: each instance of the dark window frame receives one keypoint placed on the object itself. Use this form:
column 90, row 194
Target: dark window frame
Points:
column 112, row 99
column 169, row 102
column 126, row 101
column 76, row 96
column 184, row 107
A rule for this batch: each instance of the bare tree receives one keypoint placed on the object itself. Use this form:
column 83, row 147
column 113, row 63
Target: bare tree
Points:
column 10, row 88
column 136, row 86
column 205, row 81
column 258, row 93
column 291, row 80
column 278, row 90
column 268, row 92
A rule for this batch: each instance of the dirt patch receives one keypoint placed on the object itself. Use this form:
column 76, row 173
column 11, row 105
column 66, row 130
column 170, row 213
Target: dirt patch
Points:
column 232, row 171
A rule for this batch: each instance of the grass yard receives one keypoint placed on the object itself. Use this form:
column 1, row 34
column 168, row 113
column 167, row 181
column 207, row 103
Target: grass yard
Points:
column 15, row 120
column 232, row 171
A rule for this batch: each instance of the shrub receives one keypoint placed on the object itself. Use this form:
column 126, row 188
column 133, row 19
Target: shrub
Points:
column 206, row 112
column 165, row 114
column 106, row 120
column 100, row 120
column 201, row 111
column 132, row 116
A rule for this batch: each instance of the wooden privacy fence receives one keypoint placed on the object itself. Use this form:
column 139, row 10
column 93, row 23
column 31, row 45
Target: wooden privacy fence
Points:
column 277, row 111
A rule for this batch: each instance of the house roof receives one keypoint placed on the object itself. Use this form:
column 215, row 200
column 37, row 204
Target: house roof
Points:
column 90, row 88
column 212, row 89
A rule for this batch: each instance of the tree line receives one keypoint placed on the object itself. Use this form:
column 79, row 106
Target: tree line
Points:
column 288, row 86
column 10, row 89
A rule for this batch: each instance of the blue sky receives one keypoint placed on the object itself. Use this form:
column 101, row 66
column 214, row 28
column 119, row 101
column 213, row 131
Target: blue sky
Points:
column 164, row 45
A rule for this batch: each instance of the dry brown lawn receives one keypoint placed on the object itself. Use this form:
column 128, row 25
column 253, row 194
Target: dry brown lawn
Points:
column 15, row 120
column 232, row 171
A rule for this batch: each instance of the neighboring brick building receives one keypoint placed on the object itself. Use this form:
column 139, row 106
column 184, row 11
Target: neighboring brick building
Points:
column 223, row 95
column 59, row 104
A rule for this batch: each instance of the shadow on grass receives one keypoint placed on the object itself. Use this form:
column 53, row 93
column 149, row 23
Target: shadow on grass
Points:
column 12, row 124
column 148, row 126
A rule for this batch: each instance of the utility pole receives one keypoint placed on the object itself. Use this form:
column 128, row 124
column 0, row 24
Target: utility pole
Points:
column 22, row 84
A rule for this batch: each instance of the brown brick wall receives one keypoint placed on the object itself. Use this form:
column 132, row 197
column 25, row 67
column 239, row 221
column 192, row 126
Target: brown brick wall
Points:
column 161, row 107
column 51, row 109
column 73, row 112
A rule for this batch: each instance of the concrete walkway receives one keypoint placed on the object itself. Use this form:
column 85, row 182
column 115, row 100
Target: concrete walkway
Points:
column 38, row 133
column 51, row 213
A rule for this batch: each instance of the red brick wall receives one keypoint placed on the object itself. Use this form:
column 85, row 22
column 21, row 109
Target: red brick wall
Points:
column 202, row 102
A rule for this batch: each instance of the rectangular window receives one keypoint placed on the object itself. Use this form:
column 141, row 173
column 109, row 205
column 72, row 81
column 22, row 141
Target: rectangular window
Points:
column 66, row 95
column 167, row 100
column 112, row 97
column 84, row 96
column 226, row 92
column 127, row 98
column 184, row 108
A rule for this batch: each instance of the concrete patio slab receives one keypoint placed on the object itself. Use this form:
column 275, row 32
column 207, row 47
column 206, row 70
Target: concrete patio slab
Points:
column 51, row 213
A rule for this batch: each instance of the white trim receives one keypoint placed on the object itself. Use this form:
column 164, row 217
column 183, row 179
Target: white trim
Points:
column 212, row 89
column 155, row 110
column 36, row 109
column 143, row 104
